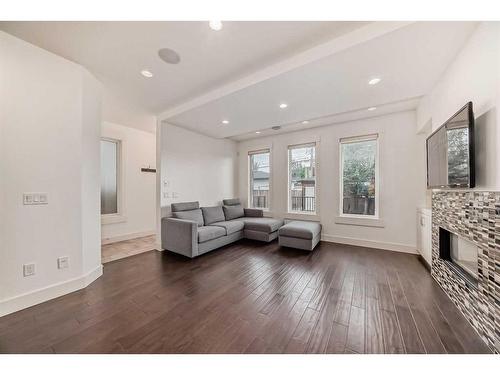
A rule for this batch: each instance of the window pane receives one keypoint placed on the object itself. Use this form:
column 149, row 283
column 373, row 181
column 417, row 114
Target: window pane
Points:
column 358, row 177
column 302, row 172
column 259, row 180
column 109, row 159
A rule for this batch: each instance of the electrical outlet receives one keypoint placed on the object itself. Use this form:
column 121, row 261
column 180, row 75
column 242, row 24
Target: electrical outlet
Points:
column 28, row 269
column 62, row 262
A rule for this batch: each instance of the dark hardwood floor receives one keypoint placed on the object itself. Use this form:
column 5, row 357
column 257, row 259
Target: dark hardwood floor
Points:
column 250, row 297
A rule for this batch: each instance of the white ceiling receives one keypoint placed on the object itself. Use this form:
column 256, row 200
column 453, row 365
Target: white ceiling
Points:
column 409, row 60
column 329, row 64
column 338, row 118
column 115, row 52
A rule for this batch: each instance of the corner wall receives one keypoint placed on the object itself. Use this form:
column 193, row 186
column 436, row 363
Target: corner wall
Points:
column 49, row 134
column 473, row 76
column 139, row 188
column 194, row 167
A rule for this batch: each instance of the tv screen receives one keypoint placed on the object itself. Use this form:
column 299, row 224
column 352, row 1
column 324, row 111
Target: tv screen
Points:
column 450, row 152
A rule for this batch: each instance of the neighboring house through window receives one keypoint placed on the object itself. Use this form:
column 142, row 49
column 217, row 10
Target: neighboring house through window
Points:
column 260, row 171
column 302, row 178
column 359, row 176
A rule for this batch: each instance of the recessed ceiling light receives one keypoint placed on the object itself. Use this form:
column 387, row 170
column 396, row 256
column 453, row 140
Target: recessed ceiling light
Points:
column 146, row 73
column 305, row 122
column 372, row 108
column 225, row 122
column 283, row 105
column 169, row 56
column 257, row 132
column 374, row 81
column 215, row 25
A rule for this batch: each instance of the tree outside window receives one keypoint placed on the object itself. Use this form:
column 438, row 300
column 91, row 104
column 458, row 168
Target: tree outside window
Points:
column 359, row 177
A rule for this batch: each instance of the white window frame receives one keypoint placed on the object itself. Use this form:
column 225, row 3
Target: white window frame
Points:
column 249, row 169
column 314, row 144
column 376, row 216
column 120, row 216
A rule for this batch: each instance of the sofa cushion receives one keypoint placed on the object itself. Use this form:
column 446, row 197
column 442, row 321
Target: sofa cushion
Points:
column 184, row 206
column 231, row 202
column 301, row 229
column 253, row 212
column 193, row 215
column 210, row 233
column 213, row 214
column 233, row 212
column 262, row 224
column 232, row 226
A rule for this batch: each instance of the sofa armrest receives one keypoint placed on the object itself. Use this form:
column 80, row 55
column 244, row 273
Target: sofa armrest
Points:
column 180, row 236
column 253, row 212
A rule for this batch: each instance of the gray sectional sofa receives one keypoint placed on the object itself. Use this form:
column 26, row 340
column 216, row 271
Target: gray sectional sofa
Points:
column 193, row 231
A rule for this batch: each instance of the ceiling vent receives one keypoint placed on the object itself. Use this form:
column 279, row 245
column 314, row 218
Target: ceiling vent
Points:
column 169, row 56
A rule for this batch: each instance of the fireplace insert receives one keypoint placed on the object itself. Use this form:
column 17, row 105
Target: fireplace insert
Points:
column 460, row 254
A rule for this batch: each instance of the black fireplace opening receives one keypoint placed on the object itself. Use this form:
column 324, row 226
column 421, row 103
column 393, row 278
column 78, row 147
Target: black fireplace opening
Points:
column 459, row 254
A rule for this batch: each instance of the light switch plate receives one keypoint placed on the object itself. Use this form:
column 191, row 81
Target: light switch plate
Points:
column 35, row 198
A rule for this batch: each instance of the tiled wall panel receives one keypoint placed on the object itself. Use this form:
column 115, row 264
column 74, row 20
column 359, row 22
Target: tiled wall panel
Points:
column 475, row 216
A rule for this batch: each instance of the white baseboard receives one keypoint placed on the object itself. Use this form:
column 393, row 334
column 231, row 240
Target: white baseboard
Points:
column 124, row 237
column 369, row 243
column 37, row 296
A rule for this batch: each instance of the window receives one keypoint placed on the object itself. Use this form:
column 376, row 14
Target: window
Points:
column 259, row 166
column 110, row 162
column 302, row 178
column 359, row 176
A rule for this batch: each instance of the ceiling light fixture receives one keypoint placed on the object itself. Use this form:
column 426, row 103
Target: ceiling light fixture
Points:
column 257, row 132
column 169, row 56
column 215, row 25
column 305, row 122
column 146, row 73
column 372, row 108
column 374, row 81
column 225, row 122
column 283, row 105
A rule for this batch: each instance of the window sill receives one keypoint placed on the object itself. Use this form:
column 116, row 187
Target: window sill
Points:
column 360, row 221
column 113, row 219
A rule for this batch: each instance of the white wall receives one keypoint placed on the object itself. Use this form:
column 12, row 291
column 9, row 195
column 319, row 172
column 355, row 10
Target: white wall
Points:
column 139, row 188
column 195, row 167
column 473, row 76
column 90, row 173
column 399, row 194
column 49, row 134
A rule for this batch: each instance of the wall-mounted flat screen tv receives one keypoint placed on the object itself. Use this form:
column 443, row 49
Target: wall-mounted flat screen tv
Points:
column 450, row 152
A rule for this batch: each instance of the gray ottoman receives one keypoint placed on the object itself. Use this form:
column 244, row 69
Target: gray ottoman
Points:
column 303, row 235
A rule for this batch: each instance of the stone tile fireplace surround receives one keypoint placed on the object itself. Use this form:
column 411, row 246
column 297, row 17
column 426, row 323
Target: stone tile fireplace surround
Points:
column 475, row 216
